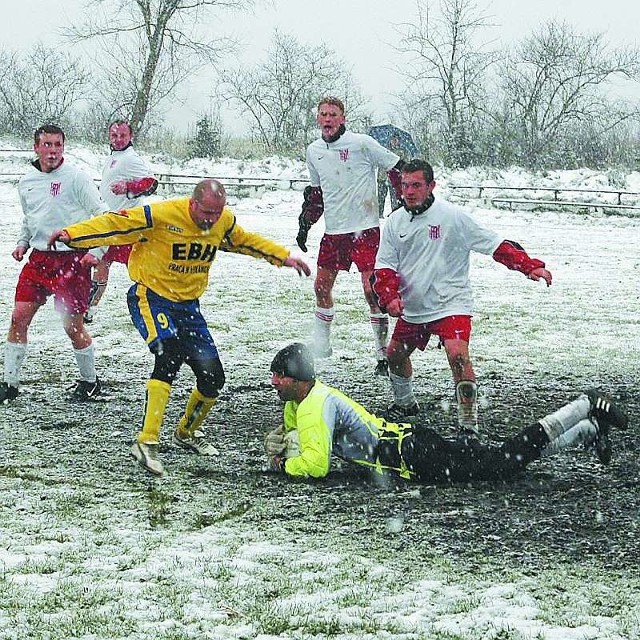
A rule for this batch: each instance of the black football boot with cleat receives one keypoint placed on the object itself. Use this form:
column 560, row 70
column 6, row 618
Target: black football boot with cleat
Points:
column 382, row 369
column 606, row 415
column 603, row 409
column 86, row 391
column 8, row 393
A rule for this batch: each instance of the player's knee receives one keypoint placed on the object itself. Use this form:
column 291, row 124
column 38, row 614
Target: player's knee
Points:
column 459, row 360
column 210, row 379
column 371, row 299
column 164, row 372
column 397, row 354
column 167, row 362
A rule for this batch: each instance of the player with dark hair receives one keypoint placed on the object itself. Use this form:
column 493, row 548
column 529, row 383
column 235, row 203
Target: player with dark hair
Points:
column 320, row 421
column 421, row 277
column 174, row 245
column 126, row 180
column 53, row 193
column 342, row 170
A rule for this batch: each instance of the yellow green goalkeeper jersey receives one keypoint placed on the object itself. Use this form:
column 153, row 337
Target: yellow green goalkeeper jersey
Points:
column 171, row 255
column 330, row 422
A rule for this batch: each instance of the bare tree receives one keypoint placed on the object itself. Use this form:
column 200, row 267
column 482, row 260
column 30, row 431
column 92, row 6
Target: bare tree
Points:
column 279, row 96
column 445, row 68
column 41, row 86
column 148, row 47
column 556, row 80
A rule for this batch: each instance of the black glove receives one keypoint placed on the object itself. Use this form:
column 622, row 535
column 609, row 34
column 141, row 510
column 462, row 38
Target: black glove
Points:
column 303, row 232
column 312, row 209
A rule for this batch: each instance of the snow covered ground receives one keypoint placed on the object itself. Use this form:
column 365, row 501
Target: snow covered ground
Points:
column 77, row 559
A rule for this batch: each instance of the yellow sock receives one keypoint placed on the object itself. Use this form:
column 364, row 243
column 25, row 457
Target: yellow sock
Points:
column 198, row 406
column 155, row 404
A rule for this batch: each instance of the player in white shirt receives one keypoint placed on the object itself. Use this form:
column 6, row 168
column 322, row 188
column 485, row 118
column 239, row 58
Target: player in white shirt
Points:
column 53, row 194
column 421, row 277
column 126, row 179
column 343, row 174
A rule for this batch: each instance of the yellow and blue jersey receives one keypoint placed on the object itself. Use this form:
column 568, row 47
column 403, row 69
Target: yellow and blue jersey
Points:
column 171, row 254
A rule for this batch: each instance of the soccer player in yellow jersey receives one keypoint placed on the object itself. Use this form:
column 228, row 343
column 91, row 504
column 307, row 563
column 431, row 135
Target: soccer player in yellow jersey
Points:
column 174, row 245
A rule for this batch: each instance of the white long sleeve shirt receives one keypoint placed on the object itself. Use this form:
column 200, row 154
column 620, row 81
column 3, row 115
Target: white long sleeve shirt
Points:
column 122, row 165
column 346, row 170
column 52, row 201
column 430, row 252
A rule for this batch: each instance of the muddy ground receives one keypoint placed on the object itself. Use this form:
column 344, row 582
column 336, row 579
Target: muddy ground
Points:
column 563, row 509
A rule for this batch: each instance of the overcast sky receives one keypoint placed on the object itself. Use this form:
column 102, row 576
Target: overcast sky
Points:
column 360, row 31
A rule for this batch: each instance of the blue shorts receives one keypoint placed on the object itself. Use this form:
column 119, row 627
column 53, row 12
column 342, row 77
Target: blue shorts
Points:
column 158, row 319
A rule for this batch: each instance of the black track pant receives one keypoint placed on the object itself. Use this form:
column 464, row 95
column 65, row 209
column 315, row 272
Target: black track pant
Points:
column 436, row 459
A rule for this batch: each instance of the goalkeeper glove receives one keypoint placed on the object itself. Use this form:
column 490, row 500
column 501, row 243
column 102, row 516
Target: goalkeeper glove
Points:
column 274, row 442
column 291, row 444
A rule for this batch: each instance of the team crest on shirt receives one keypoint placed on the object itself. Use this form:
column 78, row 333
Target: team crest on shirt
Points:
column 54, row 189
column 434, row 232
column 344, row 154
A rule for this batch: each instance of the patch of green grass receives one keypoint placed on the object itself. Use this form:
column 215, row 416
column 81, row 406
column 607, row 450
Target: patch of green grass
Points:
column 234, row 511
column 356, row 597
column 324, row 627
column 34, row 474
column 159, row 504
column 273, row 621
column 70, row 505
column 43, row 566
column 463, row 605
column 505, row 634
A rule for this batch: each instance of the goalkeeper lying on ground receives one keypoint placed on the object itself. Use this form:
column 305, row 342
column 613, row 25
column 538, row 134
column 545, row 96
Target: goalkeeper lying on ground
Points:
column 320, row 421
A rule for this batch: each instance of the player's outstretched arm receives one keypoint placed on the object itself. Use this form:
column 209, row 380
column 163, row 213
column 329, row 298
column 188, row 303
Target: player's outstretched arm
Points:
column 514, row 257
column 541, row 274
column 298, row 264
column 57, row 236
column 395, row 307
column 385, row 284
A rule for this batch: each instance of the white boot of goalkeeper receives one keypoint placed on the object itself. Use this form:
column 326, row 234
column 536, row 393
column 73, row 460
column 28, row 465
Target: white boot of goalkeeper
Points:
column 467, row 398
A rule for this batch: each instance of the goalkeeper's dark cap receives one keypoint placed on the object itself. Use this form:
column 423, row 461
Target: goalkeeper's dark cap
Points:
column 294, row 361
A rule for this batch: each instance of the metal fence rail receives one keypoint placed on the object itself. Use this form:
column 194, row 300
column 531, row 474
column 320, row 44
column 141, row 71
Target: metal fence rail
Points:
column 603, row 199
column 179, row 183
column 523, row 197
column 237, row 185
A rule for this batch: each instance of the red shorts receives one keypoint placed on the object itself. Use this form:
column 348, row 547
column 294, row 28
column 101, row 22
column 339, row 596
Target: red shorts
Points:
column 417, row 335
column 339, row 251
column 118, row 253
column 56, row 273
